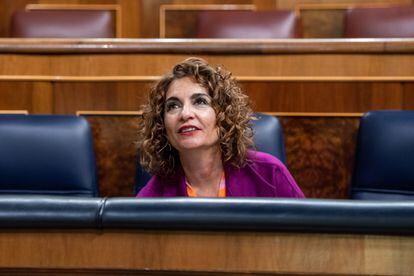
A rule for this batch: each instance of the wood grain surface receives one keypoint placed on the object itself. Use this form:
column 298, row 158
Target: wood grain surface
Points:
column 63, row 76
column 214, row 252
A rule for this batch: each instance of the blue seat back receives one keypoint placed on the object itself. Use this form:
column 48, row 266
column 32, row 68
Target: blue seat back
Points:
column 268, row 137
column 46, row 154
column 384, row 162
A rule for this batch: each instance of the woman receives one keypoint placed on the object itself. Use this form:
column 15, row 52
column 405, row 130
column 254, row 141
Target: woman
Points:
column 196, row 139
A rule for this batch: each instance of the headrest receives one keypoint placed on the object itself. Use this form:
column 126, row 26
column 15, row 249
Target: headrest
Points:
column 379, row 22
column 248, row 24
column 268, row 136
column 63, row 24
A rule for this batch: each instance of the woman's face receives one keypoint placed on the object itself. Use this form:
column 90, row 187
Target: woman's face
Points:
column 189, row 118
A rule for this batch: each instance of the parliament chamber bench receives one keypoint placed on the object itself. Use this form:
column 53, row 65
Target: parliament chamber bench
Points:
column 318, row 88
column 178, row 236
column 280, row 75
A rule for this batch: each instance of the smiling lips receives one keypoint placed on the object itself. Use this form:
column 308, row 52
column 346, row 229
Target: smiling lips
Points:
column 187, row 130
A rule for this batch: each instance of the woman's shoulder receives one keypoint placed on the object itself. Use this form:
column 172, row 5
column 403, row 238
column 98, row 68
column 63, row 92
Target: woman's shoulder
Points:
column 264, row 164
column 270, row 170
column 262, row 158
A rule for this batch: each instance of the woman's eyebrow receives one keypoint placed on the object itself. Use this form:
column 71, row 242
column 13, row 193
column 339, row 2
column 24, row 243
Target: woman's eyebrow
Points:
column 196, row 95
column 172, row 99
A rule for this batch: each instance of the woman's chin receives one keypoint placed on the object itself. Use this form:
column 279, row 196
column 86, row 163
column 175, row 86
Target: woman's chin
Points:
column 185, row 147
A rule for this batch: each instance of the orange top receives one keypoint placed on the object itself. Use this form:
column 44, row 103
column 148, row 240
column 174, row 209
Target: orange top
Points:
column 222, row 188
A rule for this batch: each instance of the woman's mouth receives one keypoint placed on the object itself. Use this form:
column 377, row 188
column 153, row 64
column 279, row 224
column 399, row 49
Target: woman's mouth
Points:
column 187, row 129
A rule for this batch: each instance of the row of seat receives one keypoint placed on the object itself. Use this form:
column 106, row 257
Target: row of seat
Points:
column 358, row 23
column 383, row 22
column 53, row 155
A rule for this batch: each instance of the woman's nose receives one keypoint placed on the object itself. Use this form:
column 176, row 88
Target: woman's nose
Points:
column 187, row 112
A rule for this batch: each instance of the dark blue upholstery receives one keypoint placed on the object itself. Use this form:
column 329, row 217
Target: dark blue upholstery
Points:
column 141, row 177
column 35, row 211
column 268, row 137
column 302, row 215
column 384, row 164
column 48, row 155
column 207, row 214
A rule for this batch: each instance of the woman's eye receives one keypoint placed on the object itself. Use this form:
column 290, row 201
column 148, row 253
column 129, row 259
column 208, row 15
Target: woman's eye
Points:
column 172, row 105
column 201, row 101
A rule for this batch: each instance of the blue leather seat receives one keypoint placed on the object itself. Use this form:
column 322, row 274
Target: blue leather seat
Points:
column 48, row 155
column 384, row 164
column 268, row 137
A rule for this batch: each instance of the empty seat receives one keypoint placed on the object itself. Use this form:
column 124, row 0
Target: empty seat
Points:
column 248, row 24
column 385, row 156
column 385, row 22
column 48, row 155
column 268, row 137
column 63, row 24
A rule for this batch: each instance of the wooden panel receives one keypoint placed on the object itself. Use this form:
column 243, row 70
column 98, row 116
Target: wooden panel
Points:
column 322, row 23
column 70, row 97
column 294, row 66
column 116, row 155
column 279, row 75
column 132, row 23
column 15, row 95
column 24, row 65
column 35, row 97
column 42, row 98
column 320, row 153
column 237, row 253
column 73, row 96
column 150, row 17
column 324, row 96
column 408, row 96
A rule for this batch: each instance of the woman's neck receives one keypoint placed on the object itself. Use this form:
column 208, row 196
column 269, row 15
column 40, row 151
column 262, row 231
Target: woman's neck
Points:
column 203, row 170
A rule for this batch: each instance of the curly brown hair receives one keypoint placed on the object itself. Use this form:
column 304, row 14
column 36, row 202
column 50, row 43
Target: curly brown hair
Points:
column 230, row 104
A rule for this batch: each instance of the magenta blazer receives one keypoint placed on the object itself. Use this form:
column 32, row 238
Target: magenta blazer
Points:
column 263, row 176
